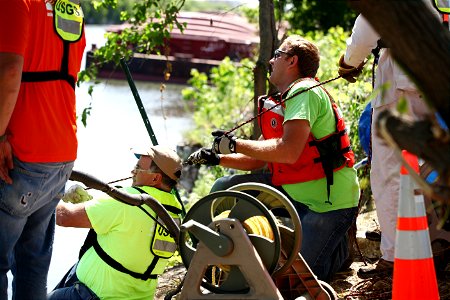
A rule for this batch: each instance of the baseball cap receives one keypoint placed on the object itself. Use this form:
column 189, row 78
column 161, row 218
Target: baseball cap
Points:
column 165, row 158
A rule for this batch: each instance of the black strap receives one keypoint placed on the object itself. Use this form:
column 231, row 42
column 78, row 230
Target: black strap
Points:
column 63, row 74
column 47, row 76
column 118, row 266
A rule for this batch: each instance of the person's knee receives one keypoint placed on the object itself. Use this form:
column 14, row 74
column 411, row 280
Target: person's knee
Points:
column 221, row 184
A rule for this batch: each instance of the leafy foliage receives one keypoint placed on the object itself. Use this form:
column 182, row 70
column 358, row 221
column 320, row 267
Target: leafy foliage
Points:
column 94, row 13
column 220, row 101
column 311, row 15
column 149, row 24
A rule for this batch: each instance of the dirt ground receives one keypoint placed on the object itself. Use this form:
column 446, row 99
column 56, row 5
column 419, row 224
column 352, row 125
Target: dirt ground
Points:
column 346, row 284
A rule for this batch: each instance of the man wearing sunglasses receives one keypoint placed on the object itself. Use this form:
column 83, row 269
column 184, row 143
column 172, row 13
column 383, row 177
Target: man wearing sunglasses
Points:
column 307, row 151
column 129, row 248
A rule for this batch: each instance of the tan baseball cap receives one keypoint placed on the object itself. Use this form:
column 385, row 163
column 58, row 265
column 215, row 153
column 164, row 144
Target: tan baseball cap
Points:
column 165, row 158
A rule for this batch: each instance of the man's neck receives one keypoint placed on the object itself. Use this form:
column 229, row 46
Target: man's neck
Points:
column 160, row 187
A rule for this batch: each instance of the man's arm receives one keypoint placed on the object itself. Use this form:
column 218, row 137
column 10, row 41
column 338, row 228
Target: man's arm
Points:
column 72, row 215
column 360, row 43
column 286, row 149
column 240, row 161
column 10, row 77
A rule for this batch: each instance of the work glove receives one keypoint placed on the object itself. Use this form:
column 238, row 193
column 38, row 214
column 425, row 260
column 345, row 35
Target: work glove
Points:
column 347, row 72
column 76, row 194
column 203, row 156
column 223, row 143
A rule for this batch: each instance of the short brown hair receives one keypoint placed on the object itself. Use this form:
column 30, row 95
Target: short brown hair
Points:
column 307, row 53
column 165, row 179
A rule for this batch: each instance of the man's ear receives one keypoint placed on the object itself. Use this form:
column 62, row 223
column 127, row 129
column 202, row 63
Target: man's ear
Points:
column 294, row 60
column 158, row 178
column 155, row 180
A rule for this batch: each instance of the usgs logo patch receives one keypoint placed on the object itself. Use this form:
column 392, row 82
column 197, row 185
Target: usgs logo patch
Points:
column 273, row 123
column 68, row 8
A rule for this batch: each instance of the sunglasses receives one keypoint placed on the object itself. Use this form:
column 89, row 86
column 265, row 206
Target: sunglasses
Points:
column 277, row 53
column 136, row 170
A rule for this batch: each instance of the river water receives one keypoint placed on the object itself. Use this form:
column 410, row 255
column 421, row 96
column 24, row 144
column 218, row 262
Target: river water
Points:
column 113, row 127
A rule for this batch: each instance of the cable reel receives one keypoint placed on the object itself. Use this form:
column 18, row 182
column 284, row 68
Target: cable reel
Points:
column 258, row 222
column 288, row 224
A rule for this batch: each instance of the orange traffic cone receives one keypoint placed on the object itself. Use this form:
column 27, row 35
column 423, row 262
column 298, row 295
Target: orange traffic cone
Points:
column 414, row 273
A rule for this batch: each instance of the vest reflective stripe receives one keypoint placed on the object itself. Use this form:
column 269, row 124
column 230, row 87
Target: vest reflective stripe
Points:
column 162, row 245
column 68, row 18
column 69, row 26
column 443, row 6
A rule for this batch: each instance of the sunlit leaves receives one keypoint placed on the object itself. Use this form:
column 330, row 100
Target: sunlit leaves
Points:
column 149, row 25
column 222, row 100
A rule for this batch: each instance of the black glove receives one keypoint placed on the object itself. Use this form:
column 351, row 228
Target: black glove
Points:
column 203, row 156
column 347, row 72
column 223, row 143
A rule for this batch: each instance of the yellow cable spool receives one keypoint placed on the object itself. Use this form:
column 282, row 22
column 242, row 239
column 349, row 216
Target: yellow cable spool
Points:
column 258, row 225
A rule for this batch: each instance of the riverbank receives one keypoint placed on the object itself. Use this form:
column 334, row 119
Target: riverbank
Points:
column 347, row 284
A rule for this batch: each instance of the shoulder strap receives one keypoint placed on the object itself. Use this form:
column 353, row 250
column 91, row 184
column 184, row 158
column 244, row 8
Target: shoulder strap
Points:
column 119, row 267
column 62, row 74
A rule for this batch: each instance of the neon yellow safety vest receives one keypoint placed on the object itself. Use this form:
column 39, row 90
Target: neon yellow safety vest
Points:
column 163, row 245
column 68, row 19
column 443, row 6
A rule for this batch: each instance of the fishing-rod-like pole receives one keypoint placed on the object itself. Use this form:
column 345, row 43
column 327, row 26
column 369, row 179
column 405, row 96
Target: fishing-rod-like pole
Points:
column 145, row 118
column 138, row 100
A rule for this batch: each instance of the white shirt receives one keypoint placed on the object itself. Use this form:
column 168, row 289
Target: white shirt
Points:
column 359, row 45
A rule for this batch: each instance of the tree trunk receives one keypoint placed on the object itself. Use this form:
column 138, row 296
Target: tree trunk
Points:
column 267, row 44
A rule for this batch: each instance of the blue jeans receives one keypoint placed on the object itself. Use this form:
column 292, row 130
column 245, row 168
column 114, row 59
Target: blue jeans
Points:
column 70, row 288
column 226, row 182
column 324, row 235
column 325, row 239
column 27, row 222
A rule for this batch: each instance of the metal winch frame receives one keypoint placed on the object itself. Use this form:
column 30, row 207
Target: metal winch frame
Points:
column 253, row 265
column 226, row 261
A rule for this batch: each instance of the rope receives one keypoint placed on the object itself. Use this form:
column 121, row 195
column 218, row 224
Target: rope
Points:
column 281, row 102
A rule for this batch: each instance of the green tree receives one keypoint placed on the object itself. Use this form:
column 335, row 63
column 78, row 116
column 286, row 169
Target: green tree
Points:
column 310, row 15
column 149, row 24
column 105, row 14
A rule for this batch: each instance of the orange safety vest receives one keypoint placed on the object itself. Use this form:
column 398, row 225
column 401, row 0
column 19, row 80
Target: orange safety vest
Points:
column 333, row 151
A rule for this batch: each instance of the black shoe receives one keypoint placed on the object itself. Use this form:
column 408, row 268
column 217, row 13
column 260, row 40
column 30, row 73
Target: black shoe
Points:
column 381, row 268
column 373, row 235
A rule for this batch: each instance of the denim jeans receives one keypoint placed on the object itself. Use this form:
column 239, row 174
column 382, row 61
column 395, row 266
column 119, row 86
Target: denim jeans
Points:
column 70, row 288
column 324, row 235
column 226, row 182
column 325, row 239
column 27, row 222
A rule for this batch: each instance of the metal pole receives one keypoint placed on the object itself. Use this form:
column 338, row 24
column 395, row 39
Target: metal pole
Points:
column 138, row 100
column 145, row 118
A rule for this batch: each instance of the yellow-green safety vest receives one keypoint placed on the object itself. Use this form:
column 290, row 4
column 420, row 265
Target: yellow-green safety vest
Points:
column 162, row 245
column 443, row 6
column 68, row 20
